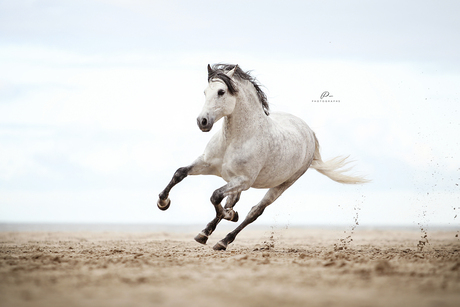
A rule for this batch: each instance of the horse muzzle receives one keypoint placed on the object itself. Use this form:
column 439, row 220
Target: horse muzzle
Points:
column 205, row 123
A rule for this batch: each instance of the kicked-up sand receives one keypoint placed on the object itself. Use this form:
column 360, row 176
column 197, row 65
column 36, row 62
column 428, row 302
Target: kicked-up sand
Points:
column 288, row 267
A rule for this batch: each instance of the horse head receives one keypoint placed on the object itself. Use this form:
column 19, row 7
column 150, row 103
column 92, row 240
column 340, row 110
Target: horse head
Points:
column 220, row 98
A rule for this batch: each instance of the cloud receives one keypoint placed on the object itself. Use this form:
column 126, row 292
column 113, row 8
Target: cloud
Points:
column 407, row 31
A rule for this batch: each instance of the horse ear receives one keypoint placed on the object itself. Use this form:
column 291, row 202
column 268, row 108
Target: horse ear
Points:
column 231, row 72
column 210, row 71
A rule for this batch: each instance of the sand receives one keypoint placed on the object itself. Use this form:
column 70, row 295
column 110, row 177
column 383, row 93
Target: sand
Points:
column 284, row 267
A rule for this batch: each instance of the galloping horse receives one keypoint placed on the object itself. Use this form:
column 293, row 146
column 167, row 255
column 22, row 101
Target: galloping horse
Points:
column 254, row 148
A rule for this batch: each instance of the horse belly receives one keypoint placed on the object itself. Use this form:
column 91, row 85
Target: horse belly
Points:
column 279, row 172
column 291, row 150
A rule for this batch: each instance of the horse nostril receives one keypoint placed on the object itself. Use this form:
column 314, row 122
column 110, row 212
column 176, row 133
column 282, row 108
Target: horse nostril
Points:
column 204, row 122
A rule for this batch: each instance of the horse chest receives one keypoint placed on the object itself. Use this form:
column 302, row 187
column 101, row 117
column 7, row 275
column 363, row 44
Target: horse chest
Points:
column 236, row 161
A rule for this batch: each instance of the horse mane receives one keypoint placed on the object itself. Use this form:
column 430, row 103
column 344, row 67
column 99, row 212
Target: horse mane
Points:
column 219, row 71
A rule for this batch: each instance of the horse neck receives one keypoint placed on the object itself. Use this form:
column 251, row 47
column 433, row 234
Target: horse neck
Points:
column 248, row 116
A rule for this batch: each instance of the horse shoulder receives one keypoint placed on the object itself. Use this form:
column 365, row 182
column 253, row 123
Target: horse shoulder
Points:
column 244, row 158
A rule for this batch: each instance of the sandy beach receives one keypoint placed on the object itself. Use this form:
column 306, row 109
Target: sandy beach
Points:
column 263, row 267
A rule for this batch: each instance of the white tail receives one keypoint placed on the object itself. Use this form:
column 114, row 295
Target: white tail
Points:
column 334, row 168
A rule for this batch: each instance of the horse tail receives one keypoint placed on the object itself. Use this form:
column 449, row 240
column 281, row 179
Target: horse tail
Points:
column 333, row 168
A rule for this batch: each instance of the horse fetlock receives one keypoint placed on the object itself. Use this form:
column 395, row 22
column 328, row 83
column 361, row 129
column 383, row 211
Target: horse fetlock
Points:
column 163, row 204
column 201, row 238
column 164, row 194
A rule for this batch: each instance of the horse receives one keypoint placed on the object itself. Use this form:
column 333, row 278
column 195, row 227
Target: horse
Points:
column 254, row 149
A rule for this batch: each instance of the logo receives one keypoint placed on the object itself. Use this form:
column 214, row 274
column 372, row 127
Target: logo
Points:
column 326, row 97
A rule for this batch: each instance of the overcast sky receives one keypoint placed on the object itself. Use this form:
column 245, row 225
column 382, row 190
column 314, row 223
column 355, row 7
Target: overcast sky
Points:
column 99, row 99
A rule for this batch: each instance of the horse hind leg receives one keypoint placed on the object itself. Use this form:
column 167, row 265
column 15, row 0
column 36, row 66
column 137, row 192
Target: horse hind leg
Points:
column 256, row 211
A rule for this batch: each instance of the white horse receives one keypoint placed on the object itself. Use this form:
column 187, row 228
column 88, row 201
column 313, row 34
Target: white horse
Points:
column 253, row 149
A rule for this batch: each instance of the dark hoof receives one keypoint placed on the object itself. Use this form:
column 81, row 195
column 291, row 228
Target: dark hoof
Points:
column 163, row 204
column 220, row 246
column 234, row 217
column 201, row 238
column 230, row 215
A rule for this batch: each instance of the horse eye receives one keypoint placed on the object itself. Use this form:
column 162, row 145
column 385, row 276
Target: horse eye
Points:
column 220, row 92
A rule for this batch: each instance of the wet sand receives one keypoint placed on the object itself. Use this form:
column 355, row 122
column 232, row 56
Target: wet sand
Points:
column 287, row 267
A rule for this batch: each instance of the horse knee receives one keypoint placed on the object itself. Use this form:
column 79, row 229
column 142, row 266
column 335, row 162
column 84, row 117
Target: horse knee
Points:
column 217, row 197
column 180, row 174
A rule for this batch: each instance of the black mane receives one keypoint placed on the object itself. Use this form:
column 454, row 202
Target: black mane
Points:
column 220, row 70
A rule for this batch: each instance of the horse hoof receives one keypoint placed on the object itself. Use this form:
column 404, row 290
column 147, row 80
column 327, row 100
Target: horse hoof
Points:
column 163, row 204
column 201, row 238
column 220, row 246
column 231, row 215
column 235, row 217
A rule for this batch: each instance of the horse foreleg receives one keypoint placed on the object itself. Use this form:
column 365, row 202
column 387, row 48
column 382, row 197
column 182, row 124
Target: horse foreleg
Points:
column 164, row 201
column 229, row 214
column 255, row 212
column 196, row 168
column 233, row 191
